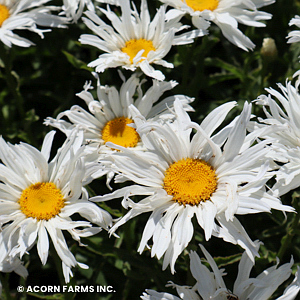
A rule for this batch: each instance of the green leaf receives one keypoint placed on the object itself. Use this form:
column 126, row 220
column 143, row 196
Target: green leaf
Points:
column 217, row 62
column 31, row 116
column 227, row 260
column 77, row 63
column 41, row 296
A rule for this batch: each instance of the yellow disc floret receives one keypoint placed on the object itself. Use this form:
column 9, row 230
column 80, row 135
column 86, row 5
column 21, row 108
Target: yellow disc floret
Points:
column 4, row 14
column 117, row 132
column 190, row 181
column 200, row 5
column 42, row 201
column 133, row 47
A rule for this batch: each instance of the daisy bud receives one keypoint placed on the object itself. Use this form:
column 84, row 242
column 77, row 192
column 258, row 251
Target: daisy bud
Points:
column 269, row 49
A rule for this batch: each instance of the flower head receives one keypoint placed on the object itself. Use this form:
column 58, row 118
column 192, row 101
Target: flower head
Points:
column 213, row 176
column 210, row 284
column 26, row 14
column 133, row 41
column 38, row 198
column 226, row 14
column 109, row 118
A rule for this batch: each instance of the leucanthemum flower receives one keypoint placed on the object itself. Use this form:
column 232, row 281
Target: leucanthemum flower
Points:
column 226, row 14
column 213, row 176
column 38, row 198
column 134, row 41
column 26, row 14
column 73, row 9
column 109, row 115
column 282, row 110
column 210, row 284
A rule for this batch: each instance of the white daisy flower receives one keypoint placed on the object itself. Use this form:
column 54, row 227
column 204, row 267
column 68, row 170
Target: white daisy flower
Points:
column 210, row 284
column 73, row 9
column 108, row 115
column 37, row 200
column 26, row 14
column 213, row 177
column 283, row 116
column 294, row 36
column 226, row 14
column 134, row 40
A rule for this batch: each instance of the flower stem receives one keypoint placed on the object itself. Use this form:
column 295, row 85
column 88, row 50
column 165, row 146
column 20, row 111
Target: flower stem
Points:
column 58, row 265
column 291, row 229
column 5, row 285
column 11, row 80
column 57, row 262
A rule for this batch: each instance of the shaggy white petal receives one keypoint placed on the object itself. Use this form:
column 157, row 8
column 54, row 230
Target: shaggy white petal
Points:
column 291, row 292
column 74, row 8
column 43, row 244
column 294, row 36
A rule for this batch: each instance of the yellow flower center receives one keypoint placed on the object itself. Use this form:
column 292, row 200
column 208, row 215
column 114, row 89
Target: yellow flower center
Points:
column 42, row 200
column 133, row 47
column 4, row 14
column 117, row 132
column 201, row 5
column 190, row 181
